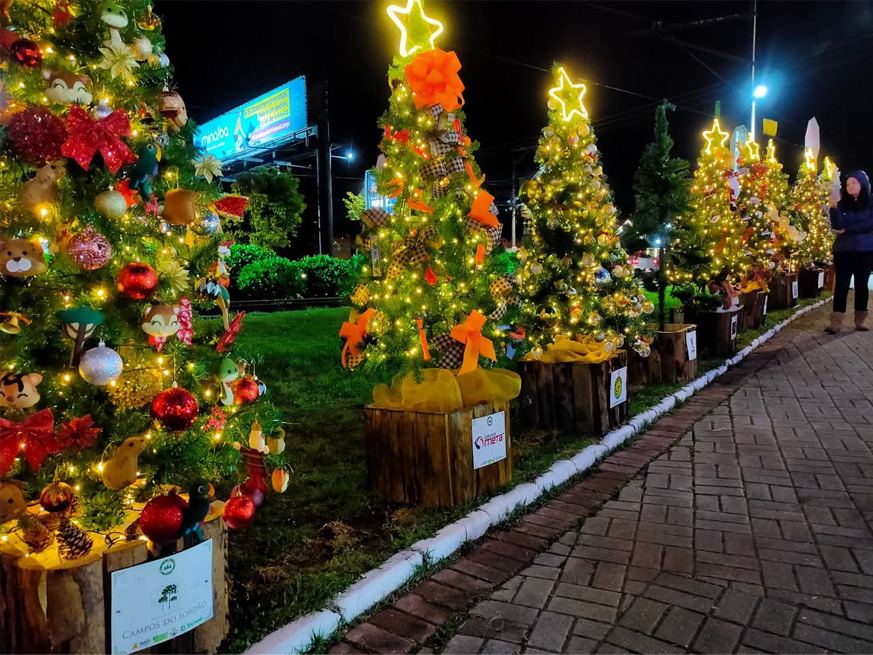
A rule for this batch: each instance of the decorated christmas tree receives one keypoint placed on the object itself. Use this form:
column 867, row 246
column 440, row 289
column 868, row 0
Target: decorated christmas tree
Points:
column 110, row 225
column 661, row 194
column 776, row 205
column 759, row 254
column 708, row 238
column 421, row 301
column 574, row 277
column 809, row 213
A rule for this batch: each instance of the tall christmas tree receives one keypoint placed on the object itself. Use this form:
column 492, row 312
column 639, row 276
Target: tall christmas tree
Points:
column 574, row 276
column 110, row 224
column 776, row 205
column 661, row 194
column 808, row 207
column 420, row 303
column 707, row 238
column 759, row 254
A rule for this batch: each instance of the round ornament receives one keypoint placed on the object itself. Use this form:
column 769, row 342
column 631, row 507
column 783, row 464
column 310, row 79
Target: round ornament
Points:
column 549, row 315
column 245, row 391
column 172, row 107
column 208, row 224
column 89, row 249
column 26, row 52
column 161, row 518
column 238, row 512
column 100, row 365
column 175, row 409
column 602, row 277
column 135, row 388
column 111, row 204
column 36, row 134
column 648, row 307
column 256, row 490
column 141, row 48
column 137, row 281
column 56, row 497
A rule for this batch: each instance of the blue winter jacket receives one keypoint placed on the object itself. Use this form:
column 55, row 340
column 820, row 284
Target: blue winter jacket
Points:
column 857, row 223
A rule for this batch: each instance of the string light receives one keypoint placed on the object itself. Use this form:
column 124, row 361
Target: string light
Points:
column 715, row 132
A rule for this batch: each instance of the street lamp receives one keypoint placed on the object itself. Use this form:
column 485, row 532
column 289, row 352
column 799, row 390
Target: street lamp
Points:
column 759, row 92
column 349, row 156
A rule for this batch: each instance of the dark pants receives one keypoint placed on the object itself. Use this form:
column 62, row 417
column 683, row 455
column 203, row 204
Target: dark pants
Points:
column 847, row 265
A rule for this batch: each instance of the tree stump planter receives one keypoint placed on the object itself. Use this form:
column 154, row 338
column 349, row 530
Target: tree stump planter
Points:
column 754, row 310
column 784, row 289
column 673, row 358
column 717, row 331
column 830, row 277
column 64, row 607
column 427, row 458
column 574, row 396
column 810, row 282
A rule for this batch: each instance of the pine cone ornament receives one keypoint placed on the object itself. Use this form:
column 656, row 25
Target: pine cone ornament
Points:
column 133, row 531
column 74, row 542
column 34, row 533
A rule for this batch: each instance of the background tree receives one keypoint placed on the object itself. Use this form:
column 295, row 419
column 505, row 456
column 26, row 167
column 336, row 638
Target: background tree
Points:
column 574, row 276
column 355, row 205
column 808, row 209
column 275, row 207
column 661, row 195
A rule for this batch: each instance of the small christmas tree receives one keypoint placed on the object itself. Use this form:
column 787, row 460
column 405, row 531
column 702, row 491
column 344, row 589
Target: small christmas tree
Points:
column 429, row 270
column 809, row 213
column 574, row 275
column 707, row 239
column 661, row 194
column 759, row 253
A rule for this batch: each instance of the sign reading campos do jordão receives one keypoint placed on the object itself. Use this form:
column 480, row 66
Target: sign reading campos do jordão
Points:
column 268, row 119
column 160, row 600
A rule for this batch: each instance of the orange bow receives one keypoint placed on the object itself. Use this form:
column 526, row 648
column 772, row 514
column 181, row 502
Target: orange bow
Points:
column 425, row 351
column 354, row 334
column 470, row 333
column 433, row 78
column 481, row 210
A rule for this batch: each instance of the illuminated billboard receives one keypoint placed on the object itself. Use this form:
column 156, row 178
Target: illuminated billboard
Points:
column 260, row 123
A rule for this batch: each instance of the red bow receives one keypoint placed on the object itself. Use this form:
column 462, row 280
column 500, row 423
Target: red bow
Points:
column 230, row 335
column 87, row 136
column 399, row 135
column 33, row 435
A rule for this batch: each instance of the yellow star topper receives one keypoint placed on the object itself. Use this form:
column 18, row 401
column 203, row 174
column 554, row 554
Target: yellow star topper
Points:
column 417, row 31
column 810, row 160
column 566, row 94
column 715, row 132
column 771, row 151
column 754, row 149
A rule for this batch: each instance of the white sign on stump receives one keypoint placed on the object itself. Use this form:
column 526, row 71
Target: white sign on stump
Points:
column 821, row 280
column 795, row 289
column 489, row 439
column 734, row 326
column 766, row 301
column 691, row 344
column 158, row 601
column 618, row 387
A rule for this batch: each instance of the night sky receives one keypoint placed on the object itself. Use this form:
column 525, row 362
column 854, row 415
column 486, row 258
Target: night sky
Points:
column 815, row 57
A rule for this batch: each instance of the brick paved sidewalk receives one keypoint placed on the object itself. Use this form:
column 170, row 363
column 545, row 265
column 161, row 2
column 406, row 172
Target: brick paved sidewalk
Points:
column 751, row 533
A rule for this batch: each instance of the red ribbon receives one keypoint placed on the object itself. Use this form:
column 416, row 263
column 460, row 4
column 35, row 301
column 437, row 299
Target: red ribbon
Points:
column 186, row 322
column 87, row 136
column 425, row 351
column 230, row 335
column 399, row 135
column 33, row 435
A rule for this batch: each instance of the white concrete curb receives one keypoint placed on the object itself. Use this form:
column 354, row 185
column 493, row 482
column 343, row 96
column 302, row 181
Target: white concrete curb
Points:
column 377, row 584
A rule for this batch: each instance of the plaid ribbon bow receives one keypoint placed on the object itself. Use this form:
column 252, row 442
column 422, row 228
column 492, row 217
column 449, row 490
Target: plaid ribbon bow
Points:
column 501, row 293
column 411, row 250
column 375, row 217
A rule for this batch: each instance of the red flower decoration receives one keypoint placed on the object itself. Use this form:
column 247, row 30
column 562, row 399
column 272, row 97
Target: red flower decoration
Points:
column 88, row 136
column 130, row 196
column 78, row 433
column 230, row 336
column 33, row 435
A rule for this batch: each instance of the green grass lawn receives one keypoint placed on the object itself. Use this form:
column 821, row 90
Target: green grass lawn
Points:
column 329, row 527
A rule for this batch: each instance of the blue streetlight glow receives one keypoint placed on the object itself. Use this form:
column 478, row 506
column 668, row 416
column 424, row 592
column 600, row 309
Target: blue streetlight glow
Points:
column 350, row 156
column 760, row 91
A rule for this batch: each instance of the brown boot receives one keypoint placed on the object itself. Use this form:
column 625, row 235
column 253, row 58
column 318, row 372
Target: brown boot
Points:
column 836, row 323
column 860, row 321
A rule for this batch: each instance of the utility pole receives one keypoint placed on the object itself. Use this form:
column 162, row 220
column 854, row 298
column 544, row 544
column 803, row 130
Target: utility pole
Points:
column 754, row 45
column 324, row 174
column 514, row 201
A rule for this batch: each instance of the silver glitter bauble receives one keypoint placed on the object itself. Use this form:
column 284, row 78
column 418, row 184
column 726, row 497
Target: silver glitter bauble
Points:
column 100, row 365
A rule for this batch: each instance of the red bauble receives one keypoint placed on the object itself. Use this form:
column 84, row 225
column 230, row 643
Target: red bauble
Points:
column 175, row 409
column 161, row 518
column 238, row 512
column 56, row 497
column 245, row 390
column 89, row 249
column 36, row 134
column 26, row 53
column 257, row 492
column 137, row 281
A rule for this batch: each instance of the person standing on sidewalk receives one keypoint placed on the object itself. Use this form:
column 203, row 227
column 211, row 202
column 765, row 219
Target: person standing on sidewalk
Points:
column 852, row 220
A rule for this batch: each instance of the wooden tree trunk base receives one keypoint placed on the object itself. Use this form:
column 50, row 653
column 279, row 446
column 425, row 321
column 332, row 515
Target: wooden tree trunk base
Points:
column 64, row 606
column 717, row 331
column 669, row 362
column 426, row 458
column 755, row 306
column 784, row 289
column 830, row 279
column 810, row 282
column 572, row 396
